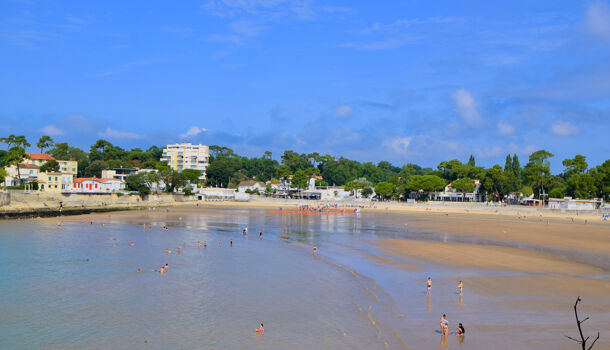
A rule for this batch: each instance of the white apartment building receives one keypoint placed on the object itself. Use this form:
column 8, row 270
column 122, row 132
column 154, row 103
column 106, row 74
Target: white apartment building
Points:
column 182, row 156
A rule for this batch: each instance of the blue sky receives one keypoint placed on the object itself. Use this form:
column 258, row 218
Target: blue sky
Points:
column 404, row 81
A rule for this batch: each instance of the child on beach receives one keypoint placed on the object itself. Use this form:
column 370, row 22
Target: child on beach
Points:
column 444, row 325
column 205, row 244
column 460, row 330
column 261, row 329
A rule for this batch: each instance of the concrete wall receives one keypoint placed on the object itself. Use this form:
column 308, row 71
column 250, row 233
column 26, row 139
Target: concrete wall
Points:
column 5, row 198
column 24, row 202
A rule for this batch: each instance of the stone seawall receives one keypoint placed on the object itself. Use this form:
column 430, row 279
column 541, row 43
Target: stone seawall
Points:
column 51, row 204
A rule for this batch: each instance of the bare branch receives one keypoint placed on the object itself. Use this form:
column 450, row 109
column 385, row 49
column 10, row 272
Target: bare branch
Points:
column 594, row 341
column 576, row 340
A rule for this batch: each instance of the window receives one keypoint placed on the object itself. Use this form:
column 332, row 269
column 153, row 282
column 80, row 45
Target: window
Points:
column 95, row 185
column 49, row 178
column 42, row 186
column 55, row 178
column 73, row 169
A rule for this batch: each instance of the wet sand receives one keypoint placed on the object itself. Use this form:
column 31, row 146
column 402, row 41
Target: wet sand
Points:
column 483, row 257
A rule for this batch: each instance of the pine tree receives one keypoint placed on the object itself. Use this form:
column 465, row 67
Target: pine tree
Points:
column 516, row 169
column 508, row 166
column 471, row 161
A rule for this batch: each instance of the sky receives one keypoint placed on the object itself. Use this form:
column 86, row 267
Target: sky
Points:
column 402, row 81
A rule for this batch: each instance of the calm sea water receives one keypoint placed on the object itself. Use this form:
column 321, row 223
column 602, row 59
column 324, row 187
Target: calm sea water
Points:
column 74, row 287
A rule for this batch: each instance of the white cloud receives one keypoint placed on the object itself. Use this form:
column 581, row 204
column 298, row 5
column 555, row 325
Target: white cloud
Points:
column 398, row 145
column 52, row 130
column 505, row 129
column 466, row 107
column 343, row 111
column 115, row 134
column 193, row 131
column 563, row 128
column 597, row 19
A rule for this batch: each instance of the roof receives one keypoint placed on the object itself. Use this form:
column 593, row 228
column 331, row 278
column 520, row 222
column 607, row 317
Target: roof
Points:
column 83, row 179
column 40, row 156
column 28, row 166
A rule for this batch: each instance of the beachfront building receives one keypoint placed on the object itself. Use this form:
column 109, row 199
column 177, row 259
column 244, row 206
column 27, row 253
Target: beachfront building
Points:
column 570, row 203
column 119, row 173
column 54, row 182
column 450, row 194
column 68, row 167
column 38, row 158
column 24, row 174
column 185, row 155
column 252, row 186
column 97, row 185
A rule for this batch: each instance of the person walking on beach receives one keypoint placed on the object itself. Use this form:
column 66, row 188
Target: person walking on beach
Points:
column 429, row 284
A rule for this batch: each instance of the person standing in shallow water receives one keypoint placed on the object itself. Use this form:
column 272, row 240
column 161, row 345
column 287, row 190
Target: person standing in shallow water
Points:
column 429, row 284
column 460, row 286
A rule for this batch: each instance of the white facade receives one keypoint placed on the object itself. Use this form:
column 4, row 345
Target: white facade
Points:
column 95, row 185
column 251, row 185
column 182, row 156
column 572, row 204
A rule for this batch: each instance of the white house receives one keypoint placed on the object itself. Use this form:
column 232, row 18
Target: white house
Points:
column 251, row 185
column 185, row 155
column 573, row 204
column 27, row 172
column 97, row 185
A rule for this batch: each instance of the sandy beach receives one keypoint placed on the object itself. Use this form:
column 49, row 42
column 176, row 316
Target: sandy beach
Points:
column 511, row 260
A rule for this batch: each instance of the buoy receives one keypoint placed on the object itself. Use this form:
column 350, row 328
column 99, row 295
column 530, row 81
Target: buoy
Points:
column 256, row 330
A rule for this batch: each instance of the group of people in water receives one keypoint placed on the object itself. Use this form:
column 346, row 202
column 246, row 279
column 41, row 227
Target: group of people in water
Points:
column 460, row 331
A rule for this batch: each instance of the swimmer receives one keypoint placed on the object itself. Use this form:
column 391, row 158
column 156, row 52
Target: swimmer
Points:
column 139, row 271
column 315, row 250
column 461, row 286
column 178, row 250
column 198, row 244
column 429, row 284
column 260, row 235
column 166, row 267
column 162, row 270
column 205, row 244
column 131, row 244
column 231, row 243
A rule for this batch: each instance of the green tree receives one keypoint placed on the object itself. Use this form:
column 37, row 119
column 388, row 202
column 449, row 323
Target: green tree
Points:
column 425, row 183
column 577, row 165
column 98, row 150
column 44, row 142
column 471, row 161
column 556, row 193
column 15, row 156
column 581, row 186
column 300, row 180
column 508, row 165
column 602, row 180
column 463, row 185
column 538, row 171
column 496, row 182
column 3, row 175
column 172, row 179
column 385, row 189
column 50, row 166
column 284, row 171
column 220, row 171
column 527, row 191
column 95, row 168
column 192, row 175
column 136, row 182
column 367, row 192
